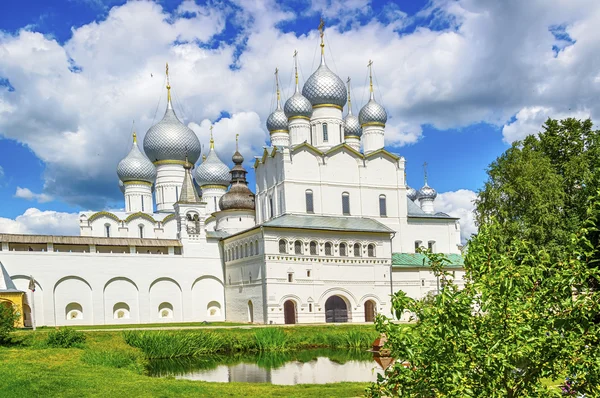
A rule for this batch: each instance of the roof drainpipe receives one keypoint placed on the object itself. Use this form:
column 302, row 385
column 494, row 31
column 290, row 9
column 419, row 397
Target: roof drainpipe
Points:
column 393, row 235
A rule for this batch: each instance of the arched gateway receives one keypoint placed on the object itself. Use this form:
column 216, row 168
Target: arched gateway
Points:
column 336, row 310
column 289, row 312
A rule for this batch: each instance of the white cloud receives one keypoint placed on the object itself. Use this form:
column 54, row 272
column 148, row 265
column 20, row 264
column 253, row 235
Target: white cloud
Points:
column 529, row 120
column 475, row 61
column 35, row 221
column 459, row 204
column 25, row 193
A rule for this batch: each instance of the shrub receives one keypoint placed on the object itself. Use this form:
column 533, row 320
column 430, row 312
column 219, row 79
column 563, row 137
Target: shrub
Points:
column 65, row 338
column 271, row 339
column 8, row 317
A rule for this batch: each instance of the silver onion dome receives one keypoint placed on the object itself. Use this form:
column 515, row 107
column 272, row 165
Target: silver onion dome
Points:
column 411, row 193
column 352, row 126
column 136, row 166
column 372, row 113
column 170, row 139
column 427, row 192
column 277, row 121
column 212, row 171
column 325, row 87
column 297, row 106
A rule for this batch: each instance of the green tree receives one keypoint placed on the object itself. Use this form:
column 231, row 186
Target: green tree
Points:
column 537, row 190
column 8, row 317
column 523, row 318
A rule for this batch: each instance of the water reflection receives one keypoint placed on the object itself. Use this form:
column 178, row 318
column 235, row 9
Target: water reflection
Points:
column 305, row 367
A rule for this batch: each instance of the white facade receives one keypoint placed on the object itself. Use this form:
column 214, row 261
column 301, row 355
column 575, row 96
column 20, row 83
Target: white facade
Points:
column 328, row 236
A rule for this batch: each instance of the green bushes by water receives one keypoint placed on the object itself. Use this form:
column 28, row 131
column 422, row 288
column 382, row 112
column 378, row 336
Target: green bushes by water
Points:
column 65, row 338
column 115, row 359
column 181, row 344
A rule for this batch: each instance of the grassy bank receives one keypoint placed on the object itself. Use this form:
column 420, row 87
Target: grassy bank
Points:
column 108, row 366
column 176, row 344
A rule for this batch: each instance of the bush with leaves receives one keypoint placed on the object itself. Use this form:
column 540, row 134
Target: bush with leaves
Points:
column 65, row 338
column 523, row 318
column 8, row 317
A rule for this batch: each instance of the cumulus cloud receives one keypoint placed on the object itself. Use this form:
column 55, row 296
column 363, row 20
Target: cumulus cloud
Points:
column 35, row 221
column 25, row 193
column 505, row 63
column 459, row 204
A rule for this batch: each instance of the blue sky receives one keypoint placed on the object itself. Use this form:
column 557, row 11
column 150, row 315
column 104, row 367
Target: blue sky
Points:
column 460, row 79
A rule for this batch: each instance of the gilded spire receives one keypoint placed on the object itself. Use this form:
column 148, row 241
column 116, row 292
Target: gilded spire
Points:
column 169, row 106
column 322, row 33
column 349, row 100
column 237, row 139
column 425, row 172
column 212, row 141
column 134, row 138
column 277, row 85
column 296, row 69
column 370, row 66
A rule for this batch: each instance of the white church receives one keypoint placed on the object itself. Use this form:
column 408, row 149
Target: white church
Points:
column 328, row 235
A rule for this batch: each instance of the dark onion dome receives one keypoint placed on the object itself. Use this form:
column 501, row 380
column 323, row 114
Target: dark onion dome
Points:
column 212, row 171
column 171, row 140
column 351, row 125
column 136, row 166
column 324, row 87
column 297, row 106
column 427, row 192
column 411, row 193
column 239, row 196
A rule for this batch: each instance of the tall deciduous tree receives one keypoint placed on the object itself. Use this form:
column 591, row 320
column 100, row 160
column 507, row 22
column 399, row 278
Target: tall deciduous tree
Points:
column 537, row 190
column 524, row 318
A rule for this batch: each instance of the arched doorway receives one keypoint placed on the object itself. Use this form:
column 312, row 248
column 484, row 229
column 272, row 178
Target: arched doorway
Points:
column 336, row 310
column 370, row 311
column 289, row 312
column 250, row 312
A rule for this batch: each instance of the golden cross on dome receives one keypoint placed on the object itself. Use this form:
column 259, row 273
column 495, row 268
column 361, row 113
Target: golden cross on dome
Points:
column 296, row 66
column 425, row 171
column 212, row 142
column 370, row 66
column 134, row 138
column 321, row 26
column 168, row 84
column 349, row 100
column 277, row 84
column 237, row 137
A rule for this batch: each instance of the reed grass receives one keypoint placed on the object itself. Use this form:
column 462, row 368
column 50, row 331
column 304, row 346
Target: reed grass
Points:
column 188, row 343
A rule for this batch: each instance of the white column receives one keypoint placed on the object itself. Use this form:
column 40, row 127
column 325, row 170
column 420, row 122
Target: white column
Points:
column 211, row 195
column 299, row 130
column 373, row 137
column 332, row 117
column 169, row 179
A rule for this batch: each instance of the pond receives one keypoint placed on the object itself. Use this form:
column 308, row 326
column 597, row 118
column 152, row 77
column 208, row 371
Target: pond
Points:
column 302, row 367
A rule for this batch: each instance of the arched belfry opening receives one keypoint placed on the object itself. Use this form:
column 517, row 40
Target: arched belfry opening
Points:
column 336, row 310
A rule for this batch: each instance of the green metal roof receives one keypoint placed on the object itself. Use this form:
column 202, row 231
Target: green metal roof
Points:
column 412, row 260
column 329, row 223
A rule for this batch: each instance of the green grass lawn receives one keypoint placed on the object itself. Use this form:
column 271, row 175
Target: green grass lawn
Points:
column 108, row 367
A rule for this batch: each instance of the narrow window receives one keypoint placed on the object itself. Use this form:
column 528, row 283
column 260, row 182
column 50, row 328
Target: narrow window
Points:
column 417, row 245
column 308, row 273
column 298, row 247
column 142, row 203
column 246, row 250
column 422, row 282
column 250, row 277
column 176, row 193
column 252, row 248
column 141, row 227
column 256, row 244
column 310, row 208
column 270, row 207
column 309, row 307
column 346, row 203
column 431, row 245
column 313, row 248
column 328, row 251
column 107, row 229
column 290, row 277
column 237, row 253
column 371, row 250
column 343, row 250
column 382, row 206
column 129, row 201
column 325, row 135
column 357, row 250
column 282, row 246
column 341, row 138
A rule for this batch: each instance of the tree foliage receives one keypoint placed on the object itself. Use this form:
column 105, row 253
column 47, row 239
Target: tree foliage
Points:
column 524, row 318
column 537, row 190
column 8, row 317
